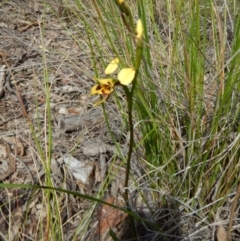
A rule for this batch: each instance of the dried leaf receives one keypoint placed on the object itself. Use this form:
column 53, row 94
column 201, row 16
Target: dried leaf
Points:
column 221, row 233
column 5, row 153
column 103, row 167
column 24, row 25
column 110, row 217
column 18, row 146
column 78, row 168
column 16, row 221
column 2, row 79
column 56, row 173
column 93, row 148
column 76, row 123
column 86, row 173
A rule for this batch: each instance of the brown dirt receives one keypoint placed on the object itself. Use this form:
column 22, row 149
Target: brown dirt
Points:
column 34, row 44
column 38, row 52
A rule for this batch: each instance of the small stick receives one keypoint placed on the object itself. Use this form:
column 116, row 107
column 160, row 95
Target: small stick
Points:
column 234, row 204
column 24, row 111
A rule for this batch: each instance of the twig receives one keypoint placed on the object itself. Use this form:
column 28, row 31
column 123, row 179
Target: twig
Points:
column 15, row 91
column 234, row 204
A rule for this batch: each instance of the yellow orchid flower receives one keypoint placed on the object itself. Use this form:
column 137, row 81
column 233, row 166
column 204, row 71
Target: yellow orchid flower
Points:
column 126, row 76
column 139, row 31
column 112, row 66
column 104, row 87
column 101, row 101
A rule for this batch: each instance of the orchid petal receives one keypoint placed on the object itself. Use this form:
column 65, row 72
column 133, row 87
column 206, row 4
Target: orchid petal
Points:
column 112, row 66
column 96, row 90
column 109, row 82
column 104, row 87
column 126, row 76
column 139, row 29
column 101, row 101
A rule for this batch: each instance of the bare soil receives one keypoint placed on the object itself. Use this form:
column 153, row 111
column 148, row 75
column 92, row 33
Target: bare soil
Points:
column 37, row 52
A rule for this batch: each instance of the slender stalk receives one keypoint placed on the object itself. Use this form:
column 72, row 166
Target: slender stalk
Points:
column 129, row 94
column 234, row 204
column 131, row 141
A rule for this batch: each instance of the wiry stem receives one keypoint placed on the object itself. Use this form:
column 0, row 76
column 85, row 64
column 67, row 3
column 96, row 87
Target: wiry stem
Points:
column 131, row 141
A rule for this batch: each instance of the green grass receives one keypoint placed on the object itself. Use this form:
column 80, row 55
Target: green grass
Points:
column 180, row 134
column 186, row 101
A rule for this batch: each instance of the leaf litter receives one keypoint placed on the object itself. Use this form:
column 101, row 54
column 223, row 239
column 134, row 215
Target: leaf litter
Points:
column 80, row 136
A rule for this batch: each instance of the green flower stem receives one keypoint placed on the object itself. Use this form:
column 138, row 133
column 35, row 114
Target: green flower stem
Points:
column 130, row 149
column 131, row 140
column 129, row 94
column 131, row 21
column 139, row 55
column 126, row 12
